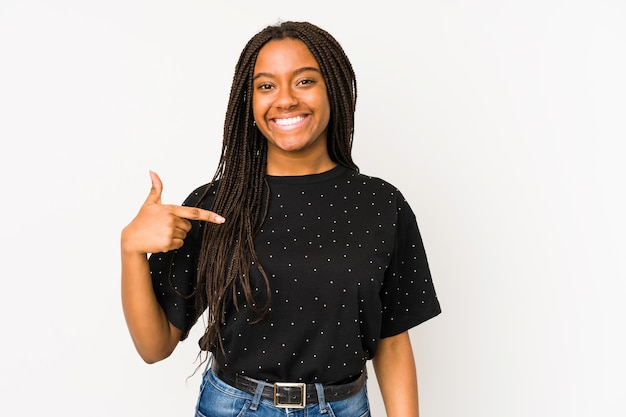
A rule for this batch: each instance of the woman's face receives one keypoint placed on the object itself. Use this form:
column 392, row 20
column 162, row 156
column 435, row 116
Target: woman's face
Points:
column 289, row 100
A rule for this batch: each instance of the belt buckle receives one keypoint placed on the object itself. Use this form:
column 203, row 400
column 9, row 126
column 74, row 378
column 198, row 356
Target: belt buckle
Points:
column 283, row 389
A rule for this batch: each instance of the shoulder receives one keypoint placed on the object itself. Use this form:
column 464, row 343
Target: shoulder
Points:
column 381, row 192
column 375, row 184
column 202, row 196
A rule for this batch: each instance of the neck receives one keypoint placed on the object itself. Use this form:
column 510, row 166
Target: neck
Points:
column 292, row 165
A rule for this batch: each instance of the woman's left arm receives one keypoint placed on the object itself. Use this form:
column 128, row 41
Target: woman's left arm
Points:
column 397, row 378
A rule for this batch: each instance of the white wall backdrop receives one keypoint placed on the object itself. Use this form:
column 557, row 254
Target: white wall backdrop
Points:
column 503, row 122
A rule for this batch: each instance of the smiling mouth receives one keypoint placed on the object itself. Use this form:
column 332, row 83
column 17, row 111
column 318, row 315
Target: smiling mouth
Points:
column 290, row 121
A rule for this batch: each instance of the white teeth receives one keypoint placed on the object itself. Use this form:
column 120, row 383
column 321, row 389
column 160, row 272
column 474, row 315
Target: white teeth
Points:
column 289, row 121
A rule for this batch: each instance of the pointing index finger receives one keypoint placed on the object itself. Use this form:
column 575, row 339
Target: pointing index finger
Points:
column 195, row 213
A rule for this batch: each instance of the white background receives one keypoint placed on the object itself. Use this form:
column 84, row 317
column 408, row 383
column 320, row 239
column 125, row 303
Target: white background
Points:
column 501, row 121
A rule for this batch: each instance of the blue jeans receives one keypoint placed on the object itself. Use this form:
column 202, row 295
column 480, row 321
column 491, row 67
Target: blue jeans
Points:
column 218, row 399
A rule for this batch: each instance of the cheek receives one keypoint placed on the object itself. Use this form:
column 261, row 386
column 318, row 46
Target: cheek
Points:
column 260, row 106
column 258, row 113
column 256, row 109
column 326, row 112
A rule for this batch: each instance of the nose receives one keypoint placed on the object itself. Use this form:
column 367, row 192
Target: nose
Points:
column 286, row 98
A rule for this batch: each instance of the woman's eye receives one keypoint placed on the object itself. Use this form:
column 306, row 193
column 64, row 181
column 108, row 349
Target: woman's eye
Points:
column 264, row 86
column 305, row 82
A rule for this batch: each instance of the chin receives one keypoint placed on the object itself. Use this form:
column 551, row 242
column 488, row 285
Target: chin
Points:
column 291, row 145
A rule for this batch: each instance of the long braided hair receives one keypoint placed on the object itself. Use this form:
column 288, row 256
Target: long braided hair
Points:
column 241, row 190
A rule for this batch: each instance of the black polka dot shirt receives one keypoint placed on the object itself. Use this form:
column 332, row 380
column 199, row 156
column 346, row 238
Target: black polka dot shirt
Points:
column 346, row 266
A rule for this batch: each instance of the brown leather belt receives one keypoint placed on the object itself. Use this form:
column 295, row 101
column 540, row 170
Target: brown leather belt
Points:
column 290, row 394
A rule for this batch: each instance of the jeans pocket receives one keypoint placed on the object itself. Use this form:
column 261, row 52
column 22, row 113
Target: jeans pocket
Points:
column 216, row 411
column 221, row 401
column 345, row 413
column 355, row 406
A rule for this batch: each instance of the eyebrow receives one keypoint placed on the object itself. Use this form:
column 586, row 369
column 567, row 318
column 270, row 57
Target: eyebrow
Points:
column 296, row 72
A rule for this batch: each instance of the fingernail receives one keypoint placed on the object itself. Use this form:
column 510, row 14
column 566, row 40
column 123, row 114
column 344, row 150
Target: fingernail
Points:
column 219, row 219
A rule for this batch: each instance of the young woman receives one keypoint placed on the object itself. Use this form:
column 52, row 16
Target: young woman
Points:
column 301, row 267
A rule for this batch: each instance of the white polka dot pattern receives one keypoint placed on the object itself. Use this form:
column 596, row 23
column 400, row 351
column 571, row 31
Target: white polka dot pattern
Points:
column 346, row 266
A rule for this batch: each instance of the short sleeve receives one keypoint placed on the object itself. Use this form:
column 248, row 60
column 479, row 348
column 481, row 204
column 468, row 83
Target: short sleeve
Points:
column 174, row 275
column 408, row 295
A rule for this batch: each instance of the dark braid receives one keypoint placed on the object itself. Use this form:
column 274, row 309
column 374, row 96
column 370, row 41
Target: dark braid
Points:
column 242, row 193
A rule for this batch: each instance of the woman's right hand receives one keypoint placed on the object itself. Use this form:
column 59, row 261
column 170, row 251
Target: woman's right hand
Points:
column 156, row 228
column 161, row 227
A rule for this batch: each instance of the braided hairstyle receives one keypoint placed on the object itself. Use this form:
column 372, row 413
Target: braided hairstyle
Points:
column 241, row 194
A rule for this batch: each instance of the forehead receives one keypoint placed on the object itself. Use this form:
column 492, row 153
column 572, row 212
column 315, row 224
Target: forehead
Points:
column 284, row 55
